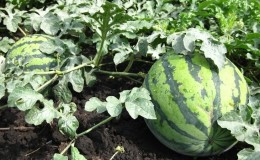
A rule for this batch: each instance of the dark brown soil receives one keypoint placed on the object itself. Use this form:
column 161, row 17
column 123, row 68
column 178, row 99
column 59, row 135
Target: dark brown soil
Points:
column 41, row 142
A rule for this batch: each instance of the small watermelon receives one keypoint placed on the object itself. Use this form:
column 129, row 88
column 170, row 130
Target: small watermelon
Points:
column 27, row 51
column 190, row 94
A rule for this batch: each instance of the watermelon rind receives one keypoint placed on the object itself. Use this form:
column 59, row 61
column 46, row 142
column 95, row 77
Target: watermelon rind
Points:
column 190, row 94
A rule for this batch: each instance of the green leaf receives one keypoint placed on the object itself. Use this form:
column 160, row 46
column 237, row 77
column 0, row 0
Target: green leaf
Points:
column 122, row 49
column 142, row 107
column 95, row 104
column 156, row 52
column 248, row 154
column 6, row 44
column 176, row 41
column 75, row 155
column 68, row 109
column 137, row 102
column 124, row 95
column 2, row 64
column 48, row 47
column 34, row 20
column 120, row 57
column 244, row 125
column 60, row 157
column 2, row 86
column 214, row 51
column 141, row 93
column 36, row 81
column 114, row 106
column 238, row 127
column 142, row 46
column 23, row 98
column 89, row 76
column 42, row 111
column 50, row 24
column 13, row 17
column 185, row 43
column 68, row 125
column 77, row 80
column 62, row 92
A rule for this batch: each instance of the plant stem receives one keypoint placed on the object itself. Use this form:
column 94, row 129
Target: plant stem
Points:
column 43, row 73
column 47, row 83
column 114, row 155
column 68, row 146
column 85, row 132
column 94, row 127
column 119, row 149
column 63, row 72
column 77, row 67
column 4, row 106
column 132, row 79
column 22, row 128
column 98, row 56
column 128, row 67
column 121, row 73
column 21, row 30
column 104, row 31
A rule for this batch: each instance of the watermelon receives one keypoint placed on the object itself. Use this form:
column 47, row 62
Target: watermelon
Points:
column 26, row 53
column 190, row 94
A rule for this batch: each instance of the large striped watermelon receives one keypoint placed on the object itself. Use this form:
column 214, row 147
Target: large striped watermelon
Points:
column 26, row 52
column 189, row 95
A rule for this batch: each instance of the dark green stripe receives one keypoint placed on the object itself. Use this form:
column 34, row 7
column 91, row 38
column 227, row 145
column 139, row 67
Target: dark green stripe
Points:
column 216, row 102
column 194, row 70
column 42, row 66
column 28, row 57
column 190, row 117
column 21, row 44
column 163, row 116
column 236, row 100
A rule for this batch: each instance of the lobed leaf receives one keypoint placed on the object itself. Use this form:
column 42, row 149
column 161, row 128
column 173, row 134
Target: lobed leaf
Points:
column 75, row 155
column 140, row 107
column 60, row 157
column 24, row 98
column 77, row 80
column 6, row 44
column 13, row 17
column 50, row 24
column 68, row 125
column 42, row 111
column 62, row 92
column 95, row 104
column 114, row 106
column 2, row 86
column 137, row 102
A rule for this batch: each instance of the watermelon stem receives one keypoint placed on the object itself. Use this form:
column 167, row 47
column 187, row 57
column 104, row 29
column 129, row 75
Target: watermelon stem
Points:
column 68, row 146
column 87, row 64
column 128, row 67
column 21, row 30
column 99, row 55
column 118, row 149
column 3, row 107
column 58, row 72
column 54, row 78
column 121, row 73
column 85, row 132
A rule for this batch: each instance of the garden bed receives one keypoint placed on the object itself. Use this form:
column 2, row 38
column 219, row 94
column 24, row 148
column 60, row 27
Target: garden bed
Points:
column 43, row 141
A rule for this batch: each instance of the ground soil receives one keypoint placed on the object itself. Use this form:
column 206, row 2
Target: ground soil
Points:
column 41, row 142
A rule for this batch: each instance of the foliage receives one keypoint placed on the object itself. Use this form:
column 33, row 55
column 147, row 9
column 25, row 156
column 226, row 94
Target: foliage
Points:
column 244, row 125
column 124, row 31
